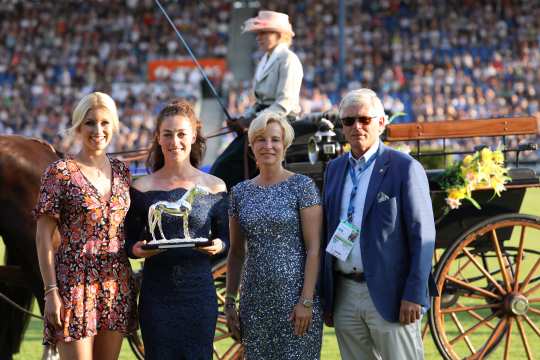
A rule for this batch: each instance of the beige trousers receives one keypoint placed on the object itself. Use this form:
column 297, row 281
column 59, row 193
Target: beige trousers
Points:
column 362, row 333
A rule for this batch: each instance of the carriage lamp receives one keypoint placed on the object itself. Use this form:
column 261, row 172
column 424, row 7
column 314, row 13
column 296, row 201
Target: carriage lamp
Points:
column 323, row 145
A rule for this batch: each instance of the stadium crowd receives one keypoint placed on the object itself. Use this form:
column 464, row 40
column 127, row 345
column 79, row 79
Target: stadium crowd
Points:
column 52, row 53
column 432, row 60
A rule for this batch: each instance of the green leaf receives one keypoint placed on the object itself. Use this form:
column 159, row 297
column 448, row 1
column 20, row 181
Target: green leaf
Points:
column 396, row 115
column 474, row 202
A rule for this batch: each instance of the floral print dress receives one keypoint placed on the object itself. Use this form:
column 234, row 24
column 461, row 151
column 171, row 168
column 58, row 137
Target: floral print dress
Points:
column 92, row 269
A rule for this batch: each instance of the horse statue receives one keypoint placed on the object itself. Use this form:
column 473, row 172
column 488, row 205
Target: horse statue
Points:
column 180, row 208
column 22, row 162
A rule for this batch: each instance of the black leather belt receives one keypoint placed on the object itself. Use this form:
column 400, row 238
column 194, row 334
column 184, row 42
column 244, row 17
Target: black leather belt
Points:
column 356, row 277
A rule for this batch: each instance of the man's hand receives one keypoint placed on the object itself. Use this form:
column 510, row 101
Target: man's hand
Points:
column 409, row 312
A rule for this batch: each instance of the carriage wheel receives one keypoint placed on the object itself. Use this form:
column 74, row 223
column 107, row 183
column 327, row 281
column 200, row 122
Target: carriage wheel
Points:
column 492, row 275
column 225, row 347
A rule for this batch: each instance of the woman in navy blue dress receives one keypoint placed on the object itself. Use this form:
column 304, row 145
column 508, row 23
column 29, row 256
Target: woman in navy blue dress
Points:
column 178, row 305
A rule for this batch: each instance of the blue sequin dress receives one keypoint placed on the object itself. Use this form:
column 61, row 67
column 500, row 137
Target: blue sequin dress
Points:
column 177, row 303
column 273, row 274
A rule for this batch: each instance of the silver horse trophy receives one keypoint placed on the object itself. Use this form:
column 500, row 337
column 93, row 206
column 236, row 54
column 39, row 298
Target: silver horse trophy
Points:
column 181, row 208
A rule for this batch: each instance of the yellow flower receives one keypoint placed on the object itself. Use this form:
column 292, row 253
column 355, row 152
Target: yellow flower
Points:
column 485, row 155
column 483, row 169
column 498, row 157
column 457, row 193
column 467, row 160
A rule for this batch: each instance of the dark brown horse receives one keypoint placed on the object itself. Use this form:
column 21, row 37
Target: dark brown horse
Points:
column 22, row 162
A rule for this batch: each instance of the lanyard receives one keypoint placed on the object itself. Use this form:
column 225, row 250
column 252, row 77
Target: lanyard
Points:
column 355, row 178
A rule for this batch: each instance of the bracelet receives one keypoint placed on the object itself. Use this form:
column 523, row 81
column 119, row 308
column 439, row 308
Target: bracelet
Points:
column 230, row 305
column 50, row 286
column 223, row 246
column 48, row 291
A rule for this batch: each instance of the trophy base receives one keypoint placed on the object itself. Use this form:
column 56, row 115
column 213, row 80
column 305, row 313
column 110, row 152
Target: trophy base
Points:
column 176, row 243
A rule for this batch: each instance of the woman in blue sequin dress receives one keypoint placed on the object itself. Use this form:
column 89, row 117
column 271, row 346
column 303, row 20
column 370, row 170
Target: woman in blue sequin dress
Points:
column 275, row 225
column 177, row 304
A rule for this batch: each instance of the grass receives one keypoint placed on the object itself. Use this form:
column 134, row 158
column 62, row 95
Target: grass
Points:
column 31, row 347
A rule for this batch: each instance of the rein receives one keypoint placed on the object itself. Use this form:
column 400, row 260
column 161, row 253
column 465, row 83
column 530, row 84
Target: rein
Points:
column 19, row 307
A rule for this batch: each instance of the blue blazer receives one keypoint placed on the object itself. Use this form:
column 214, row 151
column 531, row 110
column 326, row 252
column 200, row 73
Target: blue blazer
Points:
column 397, row 236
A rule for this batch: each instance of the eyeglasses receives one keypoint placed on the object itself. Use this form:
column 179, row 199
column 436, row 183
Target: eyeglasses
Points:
column 364, row 120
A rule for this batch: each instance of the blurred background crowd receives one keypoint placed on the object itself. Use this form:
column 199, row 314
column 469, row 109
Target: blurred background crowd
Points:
column 432, row 60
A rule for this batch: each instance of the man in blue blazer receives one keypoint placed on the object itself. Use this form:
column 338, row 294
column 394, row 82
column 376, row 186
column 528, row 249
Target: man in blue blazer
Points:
column 375, row 290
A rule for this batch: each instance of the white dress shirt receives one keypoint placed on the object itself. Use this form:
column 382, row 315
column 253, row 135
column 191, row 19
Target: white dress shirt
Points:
column 353, row 264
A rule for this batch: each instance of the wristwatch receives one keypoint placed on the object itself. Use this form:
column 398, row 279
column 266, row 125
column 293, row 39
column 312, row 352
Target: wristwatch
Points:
column 306, row 302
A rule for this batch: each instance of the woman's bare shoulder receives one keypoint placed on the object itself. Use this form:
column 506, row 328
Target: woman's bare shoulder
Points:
column 144, row 183
column 215, row 184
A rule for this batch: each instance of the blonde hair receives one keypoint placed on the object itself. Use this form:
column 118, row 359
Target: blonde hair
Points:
column 285, row 38
column 93, row 101
column 259, row 124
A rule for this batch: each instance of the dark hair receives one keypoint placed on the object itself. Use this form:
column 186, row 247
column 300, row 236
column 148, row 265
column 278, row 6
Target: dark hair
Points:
column 155, row 160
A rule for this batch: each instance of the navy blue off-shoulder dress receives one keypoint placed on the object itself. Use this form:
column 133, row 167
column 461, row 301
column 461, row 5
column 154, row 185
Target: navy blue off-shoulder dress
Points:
column 177, row 304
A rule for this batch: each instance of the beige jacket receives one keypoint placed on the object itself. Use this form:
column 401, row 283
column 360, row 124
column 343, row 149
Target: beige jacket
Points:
column 278, row 86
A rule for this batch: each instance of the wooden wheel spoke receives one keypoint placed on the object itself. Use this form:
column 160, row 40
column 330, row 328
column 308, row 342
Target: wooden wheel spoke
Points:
column 534, row 310
column 532, row 325
column 508, row 339
column 436, row 257
column 425, row 330
column 476, row 289
column 477, row 316
column 473, row 328
column 461, row 331
column 519, row 258
column 531, row 290
column 500, row 258
column 492, row 338
column 460, row 308
column 460, row 269
column 524, row 337
column 232, row 349
column 529, row 275
column 221, row 298
column 222, row 337
column 484, row 271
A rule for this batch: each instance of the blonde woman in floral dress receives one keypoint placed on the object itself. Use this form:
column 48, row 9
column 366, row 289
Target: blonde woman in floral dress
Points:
column 89, row 292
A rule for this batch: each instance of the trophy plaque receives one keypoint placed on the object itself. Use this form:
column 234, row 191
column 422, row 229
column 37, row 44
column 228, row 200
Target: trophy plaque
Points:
column 181, row 209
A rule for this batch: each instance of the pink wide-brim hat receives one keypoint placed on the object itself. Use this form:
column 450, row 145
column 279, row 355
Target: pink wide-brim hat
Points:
column 269, row 21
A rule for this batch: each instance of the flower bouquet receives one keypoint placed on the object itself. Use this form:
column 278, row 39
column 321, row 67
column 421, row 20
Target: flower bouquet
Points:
column 482, row 170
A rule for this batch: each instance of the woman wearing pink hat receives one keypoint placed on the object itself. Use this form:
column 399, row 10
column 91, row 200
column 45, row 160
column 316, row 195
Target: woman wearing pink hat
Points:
column 276, row 86
column 278, row 76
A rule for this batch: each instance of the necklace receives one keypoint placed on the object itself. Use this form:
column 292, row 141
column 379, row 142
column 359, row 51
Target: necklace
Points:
column 96, row 170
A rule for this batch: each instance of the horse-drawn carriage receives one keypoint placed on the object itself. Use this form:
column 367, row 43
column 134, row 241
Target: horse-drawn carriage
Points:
column 487, row 263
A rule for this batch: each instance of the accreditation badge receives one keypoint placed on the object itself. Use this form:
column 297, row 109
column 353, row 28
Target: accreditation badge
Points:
column 343, row 240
